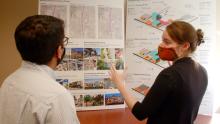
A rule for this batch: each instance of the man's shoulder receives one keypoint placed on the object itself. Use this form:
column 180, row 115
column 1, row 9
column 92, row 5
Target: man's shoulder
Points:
column 37, row 85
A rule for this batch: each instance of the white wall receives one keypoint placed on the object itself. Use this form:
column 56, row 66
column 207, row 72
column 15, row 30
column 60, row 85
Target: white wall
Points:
column 216, row 70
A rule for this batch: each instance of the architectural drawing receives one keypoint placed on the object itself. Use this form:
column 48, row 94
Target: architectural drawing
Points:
column 109, row 23
column 82, row 22
column 59, row 11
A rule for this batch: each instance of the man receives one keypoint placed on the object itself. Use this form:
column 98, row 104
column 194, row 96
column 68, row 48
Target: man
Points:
column 31, row 95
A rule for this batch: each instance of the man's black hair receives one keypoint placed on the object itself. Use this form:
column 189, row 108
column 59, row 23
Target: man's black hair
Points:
column 38, row 37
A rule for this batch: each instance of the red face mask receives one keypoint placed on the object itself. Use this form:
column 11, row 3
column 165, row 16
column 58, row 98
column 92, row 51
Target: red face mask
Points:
column 167, row 54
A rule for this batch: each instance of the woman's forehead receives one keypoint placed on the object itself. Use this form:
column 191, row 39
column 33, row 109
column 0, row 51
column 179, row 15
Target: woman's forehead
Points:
column 166, row 35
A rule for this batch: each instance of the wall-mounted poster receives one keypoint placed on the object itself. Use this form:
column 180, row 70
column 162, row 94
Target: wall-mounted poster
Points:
column 148, row 19
column 95, row 29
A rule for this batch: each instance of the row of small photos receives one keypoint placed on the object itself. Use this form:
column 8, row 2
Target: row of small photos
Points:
column 98, row 83
column 91, row 59
column 89, row 100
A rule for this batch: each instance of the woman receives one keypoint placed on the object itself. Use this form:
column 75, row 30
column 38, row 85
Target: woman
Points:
column 177, row 92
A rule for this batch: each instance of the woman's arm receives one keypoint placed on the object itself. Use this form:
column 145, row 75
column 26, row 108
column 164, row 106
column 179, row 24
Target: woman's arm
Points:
column 163, row 85
column 118, row 79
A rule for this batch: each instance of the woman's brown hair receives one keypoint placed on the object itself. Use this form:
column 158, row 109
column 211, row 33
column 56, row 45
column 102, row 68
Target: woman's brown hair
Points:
column 182, row 32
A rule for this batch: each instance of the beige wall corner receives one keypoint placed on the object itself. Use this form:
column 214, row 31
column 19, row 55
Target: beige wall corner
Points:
column 12, row 12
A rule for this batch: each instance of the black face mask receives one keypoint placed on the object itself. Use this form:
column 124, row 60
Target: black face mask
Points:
column 59, row 60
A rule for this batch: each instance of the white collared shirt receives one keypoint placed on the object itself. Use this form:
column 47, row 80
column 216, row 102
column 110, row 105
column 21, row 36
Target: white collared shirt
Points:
column 31, row 95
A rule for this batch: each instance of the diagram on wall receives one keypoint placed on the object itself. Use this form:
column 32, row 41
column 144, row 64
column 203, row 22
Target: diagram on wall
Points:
column 160, row 19
column 145, row 23
column 96, row 41
column 152, row 57
column 82, row 21
column 57, row 10
column 109, row 23
column 142, row 89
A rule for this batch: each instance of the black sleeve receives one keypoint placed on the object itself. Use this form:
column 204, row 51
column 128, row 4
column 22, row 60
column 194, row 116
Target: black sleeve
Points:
column 161, row 88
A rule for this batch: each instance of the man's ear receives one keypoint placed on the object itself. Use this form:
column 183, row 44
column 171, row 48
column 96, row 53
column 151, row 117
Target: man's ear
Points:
column 59, row 52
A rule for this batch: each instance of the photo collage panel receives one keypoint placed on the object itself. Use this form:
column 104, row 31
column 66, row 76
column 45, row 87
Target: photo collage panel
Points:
column 98, row 100
column 91, row 59
column 87, row 84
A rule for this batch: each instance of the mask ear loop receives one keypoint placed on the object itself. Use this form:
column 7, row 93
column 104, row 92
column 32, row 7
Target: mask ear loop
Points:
column 169, row 63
